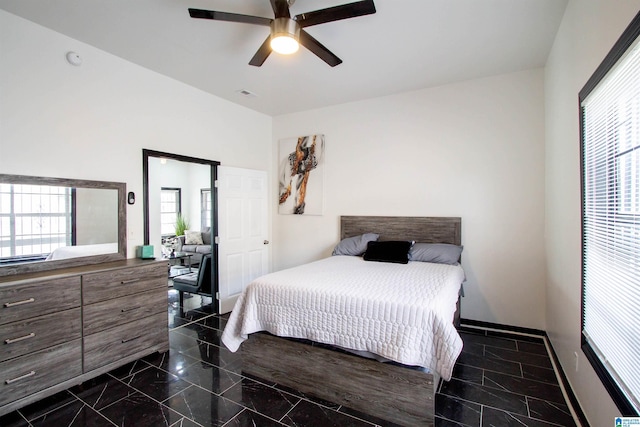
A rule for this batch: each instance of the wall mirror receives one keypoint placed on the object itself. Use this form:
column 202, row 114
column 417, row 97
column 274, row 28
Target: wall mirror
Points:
column 177, row 185
column 191, row 180
column 52, row 223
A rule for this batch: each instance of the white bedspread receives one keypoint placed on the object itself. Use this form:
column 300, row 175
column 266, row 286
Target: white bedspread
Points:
column 65, row 252
column 403, row 312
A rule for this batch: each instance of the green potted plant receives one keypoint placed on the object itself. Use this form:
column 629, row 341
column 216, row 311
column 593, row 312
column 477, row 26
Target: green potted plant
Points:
column 181, row 225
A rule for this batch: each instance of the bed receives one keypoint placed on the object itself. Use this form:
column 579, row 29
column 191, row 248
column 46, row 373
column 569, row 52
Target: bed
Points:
column 65, row 252
column 301, row 327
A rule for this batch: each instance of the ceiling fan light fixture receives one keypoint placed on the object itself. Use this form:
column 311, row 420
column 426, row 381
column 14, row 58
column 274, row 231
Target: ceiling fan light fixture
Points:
column 284, row 36
column 285, row 45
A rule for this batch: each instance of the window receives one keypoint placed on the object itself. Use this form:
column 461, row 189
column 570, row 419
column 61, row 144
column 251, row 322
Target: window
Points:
column 34, row 220
column 170, row 207
column 610, row 154
column 205, row 208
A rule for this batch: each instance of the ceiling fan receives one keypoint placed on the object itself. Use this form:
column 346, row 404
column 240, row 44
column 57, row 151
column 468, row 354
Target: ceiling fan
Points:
column 287, row 32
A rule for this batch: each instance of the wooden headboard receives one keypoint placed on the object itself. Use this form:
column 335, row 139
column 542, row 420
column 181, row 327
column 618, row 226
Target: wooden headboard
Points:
column 418, row 228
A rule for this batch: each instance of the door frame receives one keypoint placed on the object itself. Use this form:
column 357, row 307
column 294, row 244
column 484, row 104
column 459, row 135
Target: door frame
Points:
column 146, row 154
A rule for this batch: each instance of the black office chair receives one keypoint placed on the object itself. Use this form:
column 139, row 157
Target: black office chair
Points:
column 195, row 283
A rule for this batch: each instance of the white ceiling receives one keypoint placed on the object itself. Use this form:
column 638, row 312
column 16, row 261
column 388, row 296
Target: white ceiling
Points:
column 406, row 45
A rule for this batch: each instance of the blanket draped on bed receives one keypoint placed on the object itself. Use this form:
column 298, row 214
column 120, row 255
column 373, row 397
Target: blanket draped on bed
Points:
column 402, row 312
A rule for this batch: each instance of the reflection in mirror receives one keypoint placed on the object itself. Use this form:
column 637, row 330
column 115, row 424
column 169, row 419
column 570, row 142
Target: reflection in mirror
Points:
column 96, row 222
column 90, row 226
column 196, row 199
column 178, row 188
column 51, row 223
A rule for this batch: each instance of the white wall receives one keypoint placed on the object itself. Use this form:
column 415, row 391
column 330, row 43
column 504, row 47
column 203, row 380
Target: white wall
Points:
column 96, row 216
column 92, row 121
column 473, row 149
column 199, row 179
column 588, row 31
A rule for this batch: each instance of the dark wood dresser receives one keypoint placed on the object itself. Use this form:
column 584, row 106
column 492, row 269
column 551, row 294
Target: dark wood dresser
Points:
column 63, row 327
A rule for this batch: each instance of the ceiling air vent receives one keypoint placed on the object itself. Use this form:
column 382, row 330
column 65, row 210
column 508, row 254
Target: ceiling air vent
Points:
column 246, row 93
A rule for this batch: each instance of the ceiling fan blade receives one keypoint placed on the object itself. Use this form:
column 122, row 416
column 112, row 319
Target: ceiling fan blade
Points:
column 280, row 8
column 336, row 13
column 230, row 17
column 318, row 49
column 262, row 53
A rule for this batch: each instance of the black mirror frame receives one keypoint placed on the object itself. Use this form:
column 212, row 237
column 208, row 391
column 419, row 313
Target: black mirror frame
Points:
column 146, row 154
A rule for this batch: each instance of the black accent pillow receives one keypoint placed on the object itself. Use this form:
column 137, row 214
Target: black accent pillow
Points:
column 388, row 251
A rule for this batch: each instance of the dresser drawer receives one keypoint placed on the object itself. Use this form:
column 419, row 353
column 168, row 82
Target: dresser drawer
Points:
column 35, row 298
column 112, row 344
column 101, row 286
column 118, row 311
column 26, row 336
column 28, row 374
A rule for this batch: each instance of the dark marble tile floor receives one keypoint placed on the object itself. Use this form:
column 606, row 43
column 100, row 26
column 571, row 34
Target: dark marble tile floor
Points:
column 500, row 380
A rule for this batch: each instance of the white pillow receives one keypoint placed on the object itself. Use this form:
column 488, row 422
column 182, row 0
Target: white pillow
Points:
column 193, row 238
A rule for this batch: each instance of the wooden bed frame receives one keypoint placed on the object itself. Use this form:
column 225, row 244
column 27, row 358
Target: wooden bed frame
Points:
column 402, row 395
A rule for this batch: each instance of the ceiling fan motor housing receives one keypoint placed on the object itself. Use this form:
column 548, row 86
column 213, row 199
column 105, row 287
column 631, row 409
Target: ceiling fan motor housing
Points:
column 285, row 27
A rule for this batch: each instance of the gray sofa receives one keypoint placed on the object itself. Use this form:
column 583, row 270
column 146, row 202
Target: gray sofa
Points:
column 196, row 251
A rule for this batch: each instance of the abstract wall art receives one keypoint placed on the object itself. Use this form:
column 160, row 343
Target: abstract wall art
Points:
column 301, row 175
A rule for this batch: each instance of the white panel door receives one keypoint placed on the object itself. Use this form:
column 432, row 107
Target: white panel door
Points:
column 242, row 231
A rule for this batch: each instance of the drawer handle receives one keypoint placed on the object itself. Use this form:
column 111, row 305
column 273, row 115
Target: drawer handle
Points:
column 26, row 337
column 135, row 307
column 13, row 304
column 127, row 282
column 21, row 377
column 131, row 339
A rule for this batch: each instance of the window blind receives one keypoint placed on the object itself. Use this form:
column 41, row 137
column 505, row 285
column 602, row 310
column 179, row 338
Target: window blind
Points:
column 611, row 223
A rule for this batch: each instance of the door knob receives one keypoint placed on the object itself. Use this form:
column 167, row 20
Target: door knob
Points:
column 266, row 242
